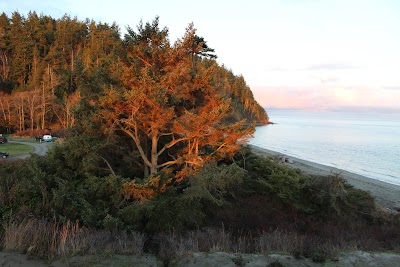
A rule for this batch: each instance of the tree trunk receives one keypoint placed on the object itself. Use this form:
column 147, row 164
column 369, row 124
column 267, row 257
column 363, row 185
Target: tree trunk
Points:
column 43, row 107
column 6, row 68
column 146, row 151
column 3, row 109
column 23, row 115
column 72, row 71
column 31, row 115
column 154, row 154
column 9, row 116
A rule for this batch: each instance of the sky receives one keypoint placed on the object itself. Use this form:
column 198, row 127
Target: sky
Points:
column 303, row 54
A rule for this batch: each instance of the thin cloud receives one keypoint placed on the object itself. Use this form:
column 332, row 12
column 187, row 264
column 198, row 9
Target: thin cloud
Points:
column 319, row 67
column 277, row 69
column 326, row 80
column 332, row 66
column 396, row 87
column 331, row 97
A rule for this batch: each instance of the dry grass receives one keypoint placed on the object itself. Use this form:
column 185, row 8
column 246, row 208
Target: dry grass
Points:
column 300, row 245
column 175, row 244
column 172, row 245
column 32, row 237
column 50, row 240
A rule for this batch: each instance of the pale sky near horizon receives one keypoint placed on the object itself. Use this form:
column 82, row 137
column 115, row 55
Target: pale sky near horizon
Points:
column 310, row 54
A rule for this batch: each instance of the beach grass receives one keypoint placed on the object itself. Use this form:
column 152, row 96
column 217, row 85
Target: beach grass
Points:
column 50, row 240
column 16, row 149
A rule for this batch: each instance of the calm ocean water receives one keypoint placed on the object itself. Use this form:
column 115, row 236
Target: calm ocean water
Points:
column 362, row 143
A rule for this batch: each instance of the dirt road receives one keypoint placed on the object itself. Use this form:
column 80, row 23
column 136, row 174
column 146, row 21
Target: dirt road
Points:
column 40, row 148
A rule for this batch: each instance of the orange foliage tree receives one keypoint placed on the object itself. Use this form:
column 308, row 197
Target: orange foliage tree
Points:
column 167, row 105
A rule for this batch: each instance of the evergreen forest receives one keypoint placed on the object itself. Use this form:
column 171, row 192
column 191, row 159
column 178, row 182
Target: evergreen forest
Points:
column 52, row 69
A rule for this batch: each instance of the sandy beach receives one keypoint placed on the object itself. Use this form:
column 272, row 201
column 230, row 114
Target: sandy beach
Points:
column 386, row 195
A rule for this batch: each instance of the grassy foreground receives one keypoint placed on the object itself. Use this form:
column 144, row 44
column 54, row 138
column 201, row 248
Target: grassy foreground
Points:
column 16, row 149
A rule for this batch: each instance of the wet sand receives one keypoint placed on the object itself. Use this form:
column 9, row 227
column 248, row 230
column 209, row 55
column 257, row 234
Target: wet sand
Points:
column 386, row 195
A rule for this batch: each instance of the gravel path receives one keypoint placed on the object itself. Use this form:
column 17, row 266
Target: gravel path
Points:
column 200, row 259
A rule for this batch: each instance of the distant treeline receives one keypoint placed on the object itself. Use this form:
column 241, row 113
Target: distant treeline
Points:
column 52, row 68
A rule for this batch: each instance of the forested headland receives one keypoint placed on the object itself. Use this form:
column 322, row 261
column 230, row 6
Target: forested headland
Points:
column 52, row 67
column 153, row 158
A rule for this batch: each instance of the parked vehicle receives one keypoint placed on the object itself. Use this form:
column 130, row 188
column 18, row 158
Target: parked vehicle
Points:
column 4, row 155
column 47, row 138
column 44, row 138
column 3, row 140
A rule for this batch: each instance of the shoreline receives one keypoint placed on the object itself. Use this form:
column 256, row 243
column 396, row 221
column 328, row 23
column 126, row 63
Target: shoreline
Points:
column 386, row 195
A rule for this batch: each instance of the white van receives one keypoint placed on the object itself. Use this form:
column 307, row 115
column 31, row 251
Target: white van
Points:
column 47, row 138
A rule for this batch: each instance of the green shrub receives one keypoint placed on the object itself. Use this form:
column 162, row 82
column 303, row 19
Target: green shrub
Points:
column 112, row 224
column 319, row 195
column 252, row 193
column 25, row 187
column 169, row 210
column 268, row 177
column 49, row 187
column 215, row 183
column 332, row 195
